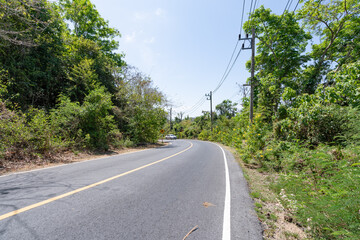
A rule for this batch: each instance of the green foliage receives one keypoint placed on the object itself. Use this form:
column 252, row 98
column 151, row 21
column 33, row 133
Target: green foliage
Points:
column 138, row 110
column 226, row 108
column 255, row 136
column 34, row 68
column 314, row 123
column 282, row 42
column 88, row 24
column 21, row 21
column 95, row 120
column 83, row 79
column 321, row 188
column 337, row 22
column 65, row 83
column 89, row 124
column 24, row 136
column 345, row 89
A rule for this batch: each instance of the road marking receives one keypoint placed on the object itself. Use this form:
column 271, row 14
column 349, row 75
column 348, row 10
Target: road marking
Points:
column 227, row 217
column 73, row 163
column 24, row 209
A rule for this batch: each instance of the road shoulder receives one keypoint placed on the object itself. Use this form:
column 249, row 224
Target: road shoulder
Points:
column 275, row 220
column 68, row 157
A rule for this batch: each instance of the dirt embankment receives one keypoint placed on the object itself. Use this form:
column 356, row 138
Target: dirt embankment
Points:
column 17, row 162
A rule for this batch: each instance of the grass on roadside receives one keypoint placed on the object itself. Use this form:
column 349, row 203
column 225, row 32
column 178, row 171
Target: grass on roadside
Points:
column 277, row 221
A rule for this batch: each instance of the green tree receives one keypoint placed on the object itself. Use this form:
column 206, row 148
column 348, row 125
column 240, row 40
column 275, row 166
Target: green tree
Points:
column 226, row 108
column 34, row 71
column 280, row 55
column 139, row 106
column 87, row 23
column 22, row 21
column 84, row 80
column 337, row 23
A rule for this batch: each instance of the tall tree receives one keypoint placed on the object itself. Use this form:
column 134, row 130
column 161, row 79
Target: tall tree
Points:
column 87, row 23
column 280, row 55
column 34, row 62
column 227, row 109
column 21, row 21
column 338, row 25
column 139, row 106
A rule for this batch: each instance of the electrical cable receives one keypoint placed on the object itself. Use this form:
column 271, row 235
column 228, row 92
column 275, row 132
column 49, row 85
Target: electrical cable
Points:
column 196, row 108
column 254, row 6
column 257, row 4
column 222, row 78
column 250, row 9
column 296, row 5
column 226, row 72
column 196, row 105
column 242, row 17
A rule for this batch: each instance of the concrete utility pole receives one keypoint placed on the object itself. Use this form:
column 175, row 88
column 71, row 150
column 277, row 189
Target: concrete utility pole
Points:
column 252, row 75
column 209, row 97
column 252, row 79
column 170, row 118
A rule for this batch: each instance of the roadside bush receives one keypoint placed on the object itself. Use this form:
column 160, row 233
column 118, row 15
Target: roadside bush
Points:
column 66, row 120
column 96, row 123
column 146, row 124
column 204, row 135
column 314, row 123
column 89, row 125
column 255, row 137
column 322, row 187
column 26, row 136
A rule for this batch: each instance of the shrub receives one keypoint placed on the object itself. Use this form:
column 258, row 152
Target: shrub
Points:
column 314, row 123
column 323, row 191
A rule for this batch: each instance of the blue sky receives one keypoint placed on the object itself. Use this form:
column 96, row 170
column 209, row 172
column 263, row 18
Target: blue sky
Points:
column 184, row 46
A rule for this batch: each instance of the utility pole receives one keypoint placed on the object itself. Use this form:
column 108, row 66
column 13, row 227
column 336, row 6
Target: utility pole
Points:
column 252, row 81
column 170, row 118
column 209, row 97
column 252, row 75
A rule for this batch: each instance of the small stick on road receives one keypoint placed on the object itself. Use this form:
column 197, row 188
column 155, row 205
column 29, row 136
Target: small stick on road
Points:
column 192, row 230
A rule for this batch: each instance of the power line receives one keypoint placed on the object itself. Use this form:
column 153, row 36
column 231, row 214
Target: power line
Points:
column 254, row 6
column 296, row 5
column 223, row 77
column 250, row 9
column 227, row 74
column 242, row 16
column 227, row 70
column 196, row 105
column 287, row 7
column 257, row 4
column 196, row 108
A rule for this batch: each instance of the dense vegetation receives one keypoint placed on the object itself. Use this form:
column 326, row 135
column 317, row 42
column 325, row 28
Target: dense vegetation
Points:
column 64, row 85
column 307, row 117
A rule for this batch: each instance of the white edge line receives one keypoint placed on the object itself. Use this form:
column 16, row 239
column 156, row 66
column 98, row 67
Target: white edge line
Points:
column 67, row 164
column 227, row 217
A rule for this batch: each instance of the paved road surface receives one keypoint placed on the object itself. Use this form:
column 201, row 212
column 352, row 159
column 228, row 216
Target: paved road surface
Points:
column 152, row 194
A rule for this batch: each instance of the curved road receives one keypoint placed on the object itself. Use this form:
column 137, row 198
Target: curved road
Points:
column 160, row 193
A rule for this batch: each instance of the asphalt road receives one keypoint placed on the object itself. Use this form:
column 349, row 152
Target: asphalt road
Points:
column 159, row 193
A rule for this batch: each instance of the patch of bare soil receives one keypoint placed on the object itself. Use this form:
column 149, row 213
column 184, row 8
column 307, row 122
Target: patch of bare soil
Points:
column 18, row 161
column 277, row 222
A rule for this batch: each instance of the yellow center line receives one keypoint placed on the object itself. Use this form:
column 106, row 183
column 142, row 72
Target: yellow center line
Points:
column 24, row 209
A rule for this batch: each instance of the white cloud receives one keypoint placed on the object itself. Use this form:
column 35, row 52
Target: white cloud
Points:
column 130, row 37
column 140, row 15
column 159, row 12
column 149, row 40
